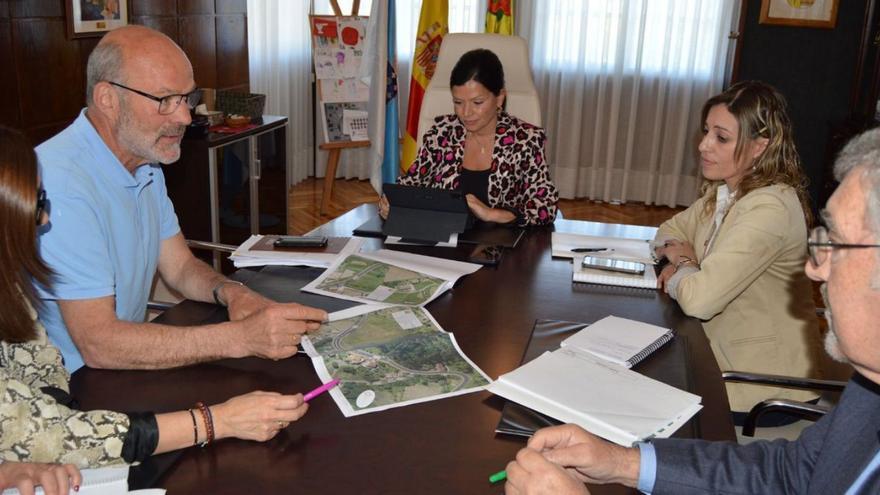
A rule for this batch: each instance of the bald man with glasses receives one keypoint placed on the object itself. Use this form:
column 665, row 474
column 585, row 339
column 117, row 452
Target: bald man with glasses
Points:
column 838, row 454
column 113, row 227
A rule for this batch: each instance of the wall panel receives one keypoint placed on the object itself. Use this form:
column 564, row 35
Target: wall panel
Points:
column 44, row 84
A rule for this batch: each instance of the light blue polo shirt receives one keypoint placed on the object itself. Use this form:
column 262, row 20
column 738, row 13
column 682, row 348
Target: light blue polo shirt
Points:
column 106, row 228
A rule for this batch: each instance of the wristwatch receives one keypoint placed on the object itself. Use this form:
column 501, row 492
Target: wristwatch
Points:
column 216, row 291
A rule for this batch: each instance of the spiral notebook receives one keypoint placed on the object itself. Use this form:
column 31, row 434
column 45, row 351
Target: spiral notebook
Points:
column 619, row 340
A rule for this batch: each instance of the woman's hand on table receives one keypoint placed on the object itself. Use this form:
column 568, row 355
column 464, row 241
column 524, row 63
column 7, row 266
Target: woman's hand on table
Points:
column 486, row 213
column 665, row 274
column 675, row 250
column 258, row 415
column 383, row 207
column 54, row 479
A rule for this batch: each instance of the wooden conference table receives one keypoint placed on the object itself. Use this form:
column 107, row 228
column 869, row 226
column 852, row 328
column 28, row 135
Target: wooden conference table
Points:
column 445, row 446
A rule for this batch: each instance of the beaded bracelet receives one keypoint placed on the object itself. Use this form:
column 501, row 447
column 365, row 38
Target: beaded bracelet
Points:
column 209, row 423
column 195, row 427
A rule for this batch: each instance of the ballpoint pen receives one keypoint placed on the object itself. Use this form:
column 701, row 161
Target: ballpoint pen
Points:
column 323, row 388
column 590, row 250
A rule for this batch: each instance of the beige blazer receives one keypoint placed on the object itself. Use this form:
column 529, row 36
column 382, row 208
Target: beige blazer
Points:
column 751, row 291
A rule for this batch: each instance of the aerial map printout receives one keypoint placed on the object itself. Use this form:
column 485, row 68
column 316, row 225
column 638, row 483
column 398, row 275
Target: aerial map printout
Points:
column 389, row 278
column 389, row 357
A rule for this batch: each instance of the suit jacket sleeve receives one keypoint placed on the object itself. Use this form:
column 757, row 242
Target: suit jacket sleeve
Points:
column 752, row 243
column 699, row 466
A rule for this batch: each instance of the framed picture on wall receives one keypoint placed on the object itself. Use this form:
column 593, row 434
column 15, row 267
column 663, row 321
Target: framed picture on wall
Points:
column 95, row 17
column 805, row 13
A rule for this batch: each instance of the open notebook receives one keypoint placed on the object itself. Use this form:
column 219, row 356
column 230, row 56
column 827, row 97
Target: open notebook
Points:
column 607, row 399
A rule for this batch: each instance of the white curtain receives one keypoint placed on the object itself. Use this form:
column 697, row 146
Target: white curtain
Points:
column 622, row 83
column 279, row 54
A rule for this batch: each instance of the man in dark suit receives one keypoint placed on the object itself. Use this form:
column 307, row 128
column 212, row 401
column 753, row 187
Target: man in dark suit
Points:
column 839, row 454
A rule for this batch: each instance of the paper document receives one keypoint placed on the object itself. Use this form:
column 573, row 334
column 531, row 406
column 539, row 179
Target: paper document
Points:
column 606, row 399
column 101, row 481
column 619, row 340
column 389, row 278
column 614, row 247
column 389, row 357
column 258, row 250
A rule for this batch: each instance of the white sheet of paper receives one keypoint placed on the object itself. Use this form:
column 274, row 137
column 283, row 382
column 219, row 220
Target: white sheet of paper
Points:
column 426, row 271
column 244, row 257
column 618, row 248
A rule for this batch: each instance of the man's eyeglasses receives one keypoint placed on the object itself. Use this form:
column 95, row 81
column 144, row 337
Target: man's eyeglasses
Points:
column 167, row 104
column 42, row 205
column 819, row 246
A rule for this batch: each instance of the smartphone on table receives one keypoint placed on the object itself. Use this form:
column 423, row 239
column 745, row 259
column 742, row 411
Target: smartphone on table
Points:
column 294, row 241
column 614, row 265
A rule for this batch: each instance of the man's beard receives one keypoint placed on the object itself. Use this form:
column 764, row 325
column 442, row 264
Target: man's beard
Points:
column 141, row 144
column 832, row 344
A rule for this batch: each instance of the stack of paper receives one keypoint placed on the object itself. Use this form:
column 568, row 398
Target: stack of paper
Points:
column 606, row 399
column 587, row 381
column 573, row 245
column 258, row 250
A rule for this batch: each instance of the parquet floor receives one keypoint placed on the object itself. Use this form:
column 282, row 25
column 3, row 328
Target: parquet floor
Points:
column 305, row 205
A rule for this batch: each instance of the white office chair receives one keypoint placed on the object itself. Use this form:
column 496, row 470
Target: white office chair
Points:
column 522, row 97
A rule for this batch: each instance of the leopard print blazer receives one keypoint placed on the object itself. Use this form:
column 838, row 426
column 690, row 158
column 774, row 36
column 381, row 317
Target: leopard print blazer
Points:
column 519, row 180
column 36, row 428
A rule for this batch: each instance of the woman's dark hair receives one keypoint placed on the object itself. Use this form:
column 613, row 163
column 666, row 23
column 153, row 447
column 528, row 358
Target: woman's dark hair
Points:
column 480, row 65
column 18, row 237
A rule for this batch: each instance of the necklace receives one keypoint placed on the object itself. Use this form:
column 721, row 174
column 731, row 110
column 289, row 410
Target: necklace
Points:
column 479, row 143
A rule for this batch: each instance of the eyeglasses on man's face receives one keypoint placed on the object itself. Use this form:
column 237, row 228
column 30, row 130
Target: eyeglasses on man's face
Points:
column 819, row 247
column 167, row 104
column 42, row 205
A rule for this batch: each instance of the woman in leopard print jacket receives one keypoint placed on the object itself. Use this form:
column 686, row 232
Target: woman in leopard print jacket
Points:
column 494, row 158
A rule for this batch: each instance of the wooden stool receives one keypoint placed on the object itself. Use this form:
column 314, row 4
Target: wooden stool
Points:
column 334, row 149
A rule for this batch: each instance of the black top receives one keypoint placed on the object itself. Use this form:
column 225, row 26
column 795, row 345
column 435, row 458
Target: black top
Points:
column 475, row 182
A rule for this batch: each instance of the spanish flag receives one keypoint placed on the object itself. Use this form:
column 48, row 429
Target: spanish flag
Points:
column 499, row 17
column 433, row 25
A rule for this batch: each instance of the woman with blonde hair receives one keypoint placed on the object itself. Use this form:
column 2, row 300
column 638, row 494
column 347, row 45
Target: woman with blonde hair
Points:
column 736, row 256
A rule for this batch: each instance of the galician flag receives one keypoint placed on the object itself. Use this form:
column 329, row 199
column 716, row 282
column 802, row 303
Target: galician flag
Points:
column 433, row 25
column 379, row 67
column 499, row 17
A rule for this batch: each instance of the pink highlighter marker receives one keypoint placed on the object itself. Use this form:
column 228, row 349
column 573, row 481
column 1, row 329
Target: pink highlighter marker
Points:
column 318, row 391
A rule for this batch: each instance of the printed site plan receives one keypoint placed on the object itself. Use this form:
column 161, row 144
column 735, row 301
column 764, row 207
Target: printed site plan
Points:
column 389, row 278
column 390, row 357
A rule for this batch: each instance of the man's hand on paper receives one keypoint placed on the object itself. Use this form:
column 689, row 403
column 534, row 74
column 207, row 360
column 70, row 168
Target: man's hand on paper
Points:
column 275, row 331
column 531, row 474
column 585, row 456
column 243, row 302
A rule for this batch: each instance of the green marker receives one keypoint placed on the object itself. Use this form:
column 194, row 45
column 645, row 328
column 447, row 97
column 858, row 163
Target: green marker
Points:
column 499, row 476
